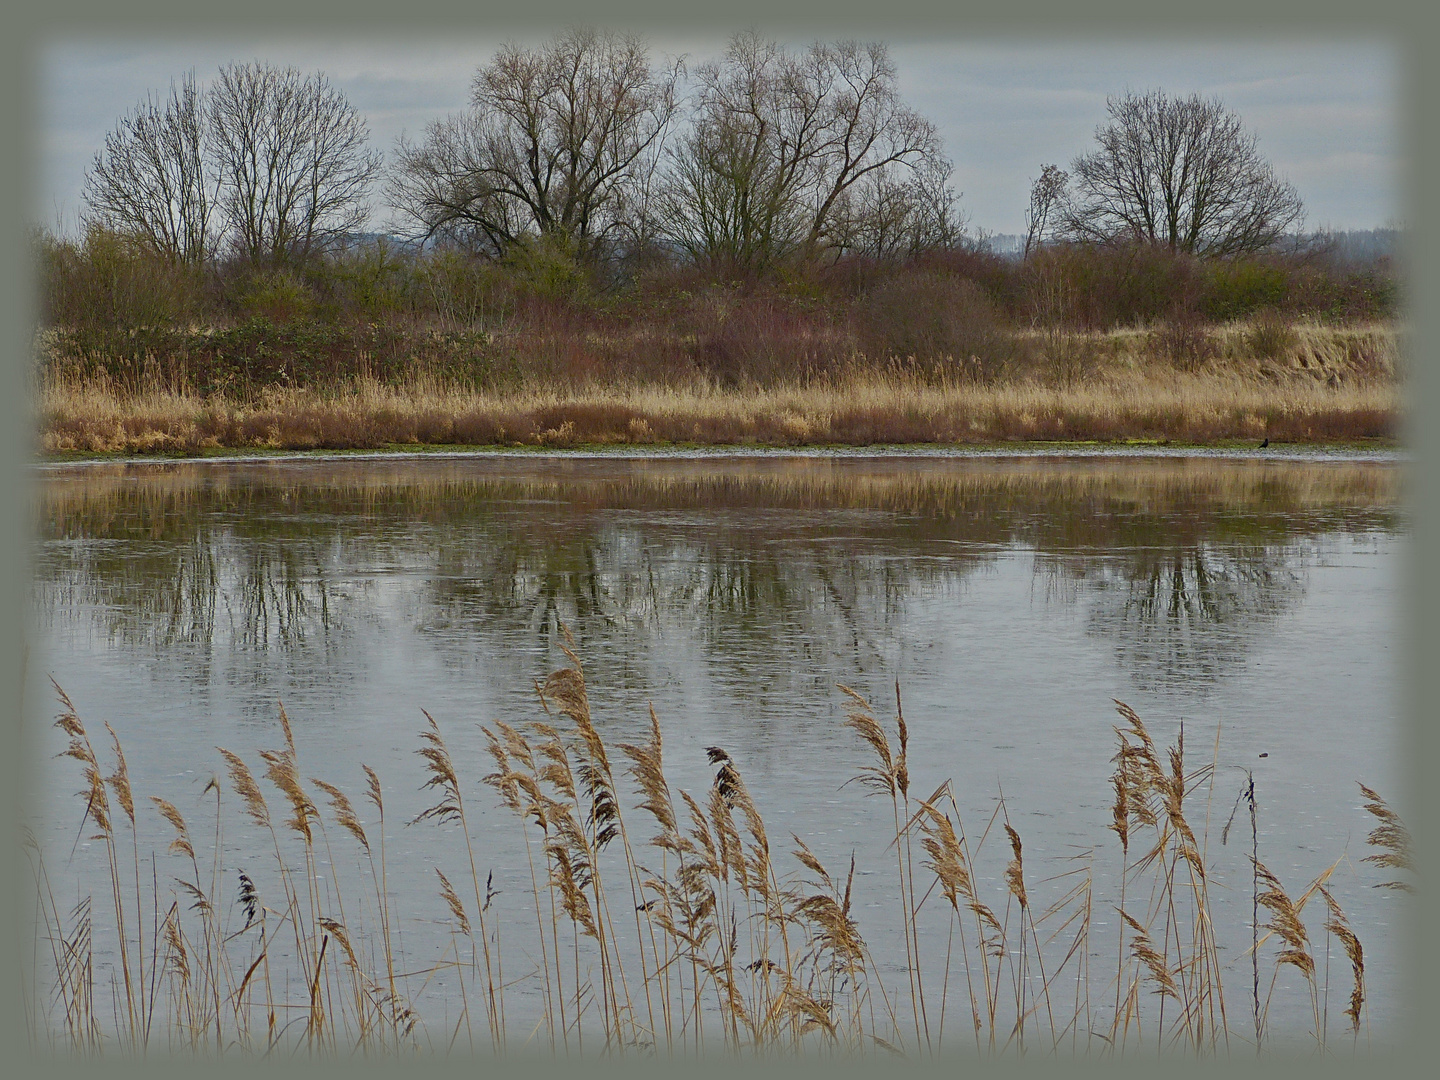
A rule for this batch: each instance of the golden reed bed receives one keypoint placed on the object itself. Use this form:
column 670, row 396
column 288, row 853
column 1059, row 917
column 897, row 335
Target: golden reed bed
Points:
column 666, row 922
column 1183, row 409
column 1327, row 384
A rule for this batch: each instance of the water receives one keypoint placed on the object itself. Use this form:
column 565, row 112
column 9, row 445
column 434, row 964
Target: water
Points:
column 1252, row 602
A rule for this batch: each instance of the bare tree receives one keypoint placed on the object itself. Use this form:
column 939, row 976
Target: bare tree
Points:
column 560, row 141
column 291, row 154
column 732, row 193
column 781, row 146
column 152, row 181
column 443, row 189
column 1047, row 199
column 1181, row 172
column 894, row 214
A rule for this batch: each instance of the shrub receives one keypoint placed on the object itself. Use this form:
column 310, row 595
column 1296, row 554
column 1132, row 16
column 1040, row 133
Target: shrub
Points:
column 936, row 318
column 1183, row 341
column 1061, row 357
column 738, row 336
column 279, row 296
column 1100, row 287
column 462, row 291
column 369, row 283
column 113, row 280
column 1236, row 288
column 548, row 268
column 1354, row 294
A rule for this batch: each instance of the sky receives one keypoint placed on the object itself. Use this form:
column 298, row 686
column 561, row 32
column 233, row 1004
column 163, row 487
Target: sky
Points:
column 1326, row 111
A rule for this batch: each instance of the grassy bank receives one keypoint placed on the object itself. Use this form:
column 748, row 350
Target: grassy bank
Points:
column 1248, row 381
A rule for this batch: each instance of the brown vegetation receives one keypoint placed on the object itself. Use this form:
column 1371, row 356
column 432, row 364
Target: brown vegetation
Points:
column 695, row 938
column 1323, row 401
column 378, row 346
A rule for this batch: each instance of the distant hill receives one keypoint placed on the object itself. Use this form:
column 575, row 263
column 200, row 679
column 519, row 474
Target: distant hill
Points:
column 1364, row 245
column 1344, row 246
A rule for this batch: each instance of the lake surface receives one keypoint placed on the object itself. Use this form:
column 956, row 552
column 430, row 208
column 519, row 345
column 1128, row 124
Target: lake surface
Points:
column 1254, row 602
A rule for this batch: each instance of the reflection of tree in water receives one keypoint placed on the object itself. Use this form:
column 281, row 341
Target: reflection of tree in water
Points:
column 769, row 565
column 1184, row 617
column 199, row 592
column 284, row 597
column 740, row 595
column 490, row 581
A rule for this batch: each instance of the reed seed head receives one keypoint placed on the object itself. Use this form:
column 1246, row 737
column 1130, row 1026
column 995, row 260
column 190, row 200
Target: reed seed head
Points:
column 181, row 843
column 344, row 812
column 452, row 900
column 244, row 783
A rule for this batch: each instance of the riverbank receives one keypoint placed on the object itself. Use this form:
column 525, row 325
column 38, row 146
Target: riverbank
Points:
column 1203, row 410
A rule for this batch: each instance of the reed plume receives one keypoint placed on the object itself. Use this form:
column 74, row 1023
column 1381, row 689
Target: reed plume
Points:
column 244, row 783
column 344, row 810
column 1285, row 922
column 181, row 844
column 730, row 947
column 1295, row 940
column 450, row 808
column 1391, row 837
column 1338, row 925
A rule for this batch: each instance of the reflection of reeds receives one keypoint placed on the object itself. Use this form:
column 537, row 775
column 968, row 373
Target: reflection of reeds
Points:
column 728, row 949
column 166, row 498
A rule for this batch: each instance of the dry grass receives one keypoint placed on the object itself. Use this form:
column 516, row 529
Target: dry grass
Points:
column 1320, row 384
column 1178, row 408
column 694, row 940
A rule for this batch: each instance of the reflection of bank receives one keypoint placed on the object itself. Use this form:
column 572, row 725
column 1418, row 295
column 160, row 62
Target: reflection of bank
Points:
column 1182, row 561
column 208, row 591
column 1189, row 615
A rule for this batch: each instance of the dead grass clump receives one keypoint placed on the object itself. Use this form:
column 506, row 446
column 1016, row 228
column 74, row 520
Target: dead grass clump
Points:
column 1185, row 343
column 600, row 421
column 1270, row 336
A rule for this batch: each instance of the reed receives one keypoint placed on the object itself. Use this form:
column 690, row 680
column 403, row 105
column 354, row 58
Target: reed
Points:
column 701, row 938
column 1333, row 385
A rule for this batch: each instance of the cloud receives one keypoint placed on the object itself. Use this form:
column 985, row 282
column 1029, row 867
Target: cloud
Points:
column 1002, row 106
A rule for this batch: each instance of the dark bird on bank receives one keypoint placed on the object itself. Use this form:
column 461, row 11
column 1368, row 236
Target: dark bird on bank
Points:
column 1266, row 443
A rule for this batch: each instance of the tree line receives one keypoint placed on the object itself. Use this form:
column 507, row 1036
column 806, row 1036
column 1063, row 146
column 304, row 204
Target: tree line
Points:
column 584, row 150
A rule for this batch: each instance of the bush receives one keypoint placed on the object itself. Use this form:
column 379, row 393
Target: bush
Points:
column 273, row 296
column 1102, row 286
column 548, row 268
column 109, row 279
column 1061, row 357
column 1236, row 288
column 1363, row 294
column 759, row 335
column 937, row 319
column 462, row 291
column 1184, row 342
column 370, row 283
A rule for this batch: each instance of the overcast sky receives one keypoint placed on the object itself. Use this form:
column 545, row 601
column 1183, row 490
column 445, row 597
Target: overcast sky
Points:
column 1326, row 111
